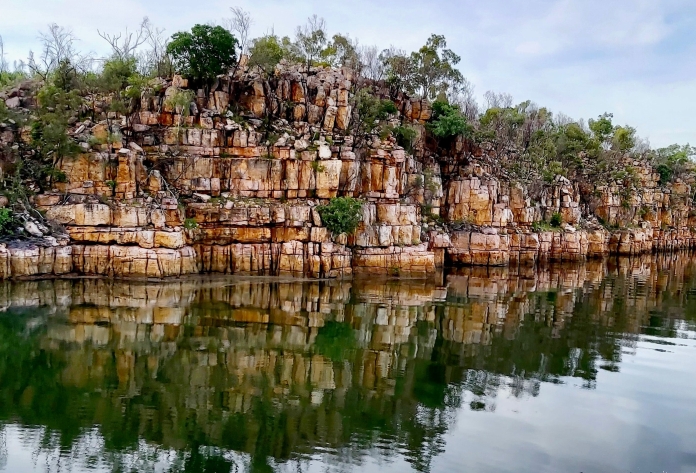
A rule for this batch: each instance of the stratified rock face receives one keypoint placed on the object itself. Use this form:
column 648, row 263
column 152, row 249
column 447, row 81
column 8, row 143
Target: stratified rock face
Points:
column 220, row 192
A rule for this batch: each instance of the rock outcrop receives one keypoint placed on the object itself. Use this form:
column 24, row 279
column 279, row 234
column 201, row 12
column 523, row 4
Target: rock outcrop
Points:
column 233, row 184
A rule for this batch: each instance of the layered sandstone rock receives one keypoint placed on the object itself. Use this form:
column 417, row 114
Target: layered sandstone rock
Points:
column 221, row 190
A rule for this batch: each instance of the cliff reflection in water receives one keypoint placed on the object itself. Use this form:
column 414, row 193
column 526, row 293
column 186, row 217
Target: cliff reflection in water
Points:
column 200, row 375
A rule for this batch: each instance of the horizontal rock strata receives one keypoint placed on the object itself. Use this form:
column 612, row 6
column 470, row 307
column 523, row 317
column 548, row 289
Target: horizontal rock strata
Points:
column 221, row 192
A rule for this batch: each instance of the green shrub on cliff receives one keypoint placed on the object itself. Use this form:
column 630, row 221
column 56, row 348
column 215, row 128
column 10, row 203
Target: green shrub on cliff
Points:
column 371, row 110
column 448, row 121
column 8, row 222
column 673, row 161
column 341, row 214
column 203, row 53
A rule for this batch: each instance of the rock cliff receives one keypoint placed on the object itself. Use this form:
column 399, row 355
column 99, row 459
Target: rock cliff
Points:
column 231, row 184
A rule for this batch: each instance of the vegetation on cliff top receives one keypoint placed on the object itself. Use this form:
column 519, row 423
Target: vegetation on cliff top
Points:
column 529, row 142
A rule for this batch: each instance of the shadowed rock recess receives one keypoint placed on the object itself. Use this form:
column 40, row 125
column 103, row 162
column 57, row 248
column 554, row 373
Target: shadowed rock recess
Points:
column 232, row 186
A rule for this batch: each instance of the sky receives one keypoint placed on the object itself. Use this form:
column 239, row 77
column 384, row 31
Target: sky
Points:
column 633, row 58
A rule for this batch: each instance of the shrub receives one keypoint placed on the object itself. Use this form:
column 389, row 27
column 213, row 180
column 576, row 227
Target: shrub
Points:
column 405, row 136
column 7, row 222
column 341, row 214
column 180, row 102
column 556, row 220
column 448, row 121
column 117, row 73
column 265, row 53
column 203, row 53
column 190, row 224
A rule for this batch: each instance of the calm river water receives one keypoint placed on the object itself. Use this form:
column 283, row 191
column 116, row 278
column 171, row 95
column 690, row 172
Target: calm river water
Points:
column 587, row 368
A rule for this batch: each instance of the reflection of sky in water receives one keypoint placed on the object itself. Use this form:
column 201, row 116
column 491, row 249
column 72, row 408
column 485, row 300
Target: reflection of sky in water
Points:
column 587, row 370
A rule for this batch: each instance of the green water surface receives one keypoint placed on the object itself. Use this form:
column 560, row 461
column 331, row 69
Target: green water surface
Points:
column 588, row 368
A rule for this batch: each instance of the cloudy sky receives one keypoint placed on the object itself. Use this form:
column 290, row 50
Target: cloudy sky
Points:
column 634, row 58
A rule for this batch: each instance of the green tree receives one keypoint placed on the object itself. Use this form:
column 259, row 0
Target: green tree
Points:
column 49, row 132
column 311, row 40
column 429, row 72
column 341, row 214
column 340, row 52
column 203, row 53
column 602, row 128
column 398, row 69
column 624, row 138
column 448, row 121
column 371, row 110
column 673, row 161
column 117, row 73
column 434, row 68
column 266, row 52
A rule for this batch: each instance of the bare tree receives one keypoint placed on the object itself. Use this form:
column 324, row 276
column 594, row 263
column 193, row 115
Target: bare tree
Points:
column 58, row 49
column 3, row 62
column 371, row 66
column 561, row 119
column 154, row 59
column 239, row 24
column 462, row 95
column 124, row 45
column 498, row 100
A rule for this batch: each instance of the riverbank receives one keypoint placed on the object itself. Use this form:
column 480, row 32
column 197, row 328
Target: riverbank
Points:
column 157, row 193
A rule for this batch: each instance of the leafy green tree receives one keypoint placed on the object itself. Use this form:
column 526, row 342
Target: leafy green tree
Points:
column 49, row 131
column 117, row 73
column 266, row 52
column 311, row 40
column 429, row 72
column 340, row 51
column 434, row 68
column 448, row 121
column 341, row 214
column 204, row 53
column 398, row 70
column 371, row 110
column 624, row 138
column 602, row 128
column 673, row 161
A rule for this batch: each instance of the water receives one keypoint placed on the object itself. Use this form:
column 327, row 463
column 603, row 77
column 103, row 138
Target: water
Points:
column 587, row 368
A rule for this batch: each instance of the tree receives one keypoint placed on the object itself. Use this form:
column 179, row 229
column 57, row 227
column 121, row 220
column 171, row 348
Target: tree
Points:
column 341, row 51
column 310, row 39
column 448, row 121
column 673, row 161
column 429, row 72
column 602, row 128
column 341, row 214
column 434, row 72
column 154, row 60
column 239, row 25
column 3, row 62
column 370, row 110
column 117, row 73
column 462, row 95
column 398, row 70
column 370, row 65
column 203, row 53
column 265, row 53
column 624, row 138
column 58, row 51
column 124, row 45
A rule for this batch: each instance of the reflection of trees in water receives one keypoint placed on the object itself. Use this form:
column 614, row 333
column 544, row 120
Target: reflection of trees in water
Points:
column 369, row 372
